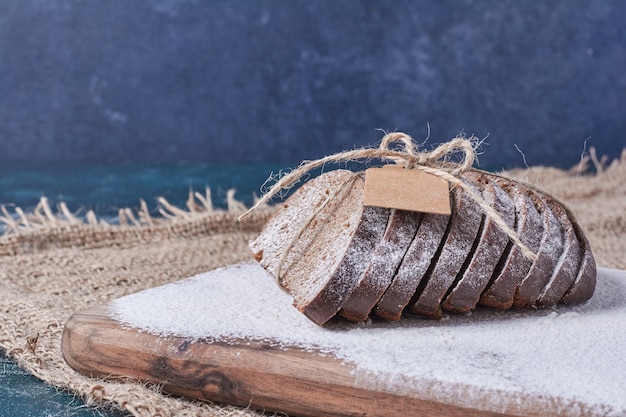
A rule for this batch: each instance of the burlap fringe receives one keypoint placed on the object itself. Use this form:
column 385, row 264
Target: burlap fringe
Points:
column 44, row 228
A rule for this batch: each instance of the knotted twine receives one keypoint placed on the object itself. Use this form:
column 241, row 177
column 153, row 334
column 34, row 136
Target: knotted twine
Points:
column 434, row 162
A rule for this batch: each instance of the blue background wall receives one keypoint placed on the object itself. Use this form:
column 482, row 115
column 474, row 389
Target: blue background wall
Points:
column 285, row 80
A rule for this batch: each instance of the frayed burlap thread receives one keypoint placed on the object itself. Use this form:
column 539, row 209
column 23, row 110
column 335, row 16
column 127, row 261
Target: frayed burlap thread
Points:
column 43, row 228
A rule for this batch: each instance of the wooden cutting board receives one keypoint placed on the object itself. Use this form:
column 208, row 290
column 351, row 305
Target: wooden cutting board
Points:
column 231, row 336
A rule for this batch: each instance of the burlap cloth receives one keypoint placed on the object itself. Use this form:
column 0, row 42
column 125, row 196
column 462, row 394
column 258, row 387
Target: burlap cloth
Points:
column 53, row 268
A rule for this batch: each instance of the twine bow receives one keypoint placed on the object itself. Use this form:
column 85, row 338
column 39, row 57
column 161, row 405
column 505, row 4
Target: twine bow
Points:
column 434, row 162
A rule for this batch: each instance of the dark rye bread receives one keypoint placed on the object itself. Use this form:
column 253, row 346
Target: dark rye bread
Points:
column 310, row 251
column 332, row 254
column 382, row 267
column 550, row 250
column 321, row 272
column 286, row 223
column 566, row 268
column 513, row 266
column 492, row 243
column 414, row 266
column 584, row 285
column 465, row 222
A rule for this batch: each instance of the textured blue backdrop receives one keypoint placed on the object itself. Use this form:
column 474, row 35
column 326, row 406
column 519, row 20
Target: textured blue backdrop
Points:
column 285, row 80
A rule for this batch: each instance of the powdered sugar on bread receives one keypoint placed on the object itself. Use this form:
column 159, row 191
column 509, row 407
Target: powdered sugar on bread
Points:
column 491, row 246
column 463, row 229
column 414, row 266
column 282, row 229
column 501, row 291
column 383, row 264
column 335, row 255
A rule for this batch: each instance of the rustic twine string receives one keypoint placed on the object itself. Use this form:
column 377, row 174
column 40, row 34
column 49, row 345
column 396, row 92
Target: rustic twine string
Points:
column 433, row 162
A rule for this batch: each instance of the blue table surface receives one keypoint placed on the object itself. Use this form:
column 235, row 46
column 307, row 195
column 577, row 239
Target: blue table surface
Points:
column 23, row 395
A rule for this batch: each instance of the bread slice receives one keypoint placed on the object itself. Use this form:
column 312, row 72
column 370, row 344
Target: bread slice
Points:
column 492, row 242
column 285, row 225
column 326, row 262
column 550, row 250
column 382, row 267
column 513, row 266
column 584, row 285
column 566, row 268
column 415, row 265
column 464, row 225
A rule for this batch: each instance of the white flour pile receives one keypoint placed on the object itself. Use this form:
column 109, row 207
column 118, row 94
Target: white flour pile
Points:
column 573, row 353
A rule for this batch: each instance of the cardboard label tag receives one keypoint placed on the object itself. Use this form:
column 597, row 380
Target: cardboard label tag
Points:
column 392, row 186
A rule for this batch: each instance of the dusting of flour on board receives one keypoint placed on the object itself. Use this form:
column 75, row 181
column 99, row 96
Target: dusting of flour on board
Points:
column 571, row 353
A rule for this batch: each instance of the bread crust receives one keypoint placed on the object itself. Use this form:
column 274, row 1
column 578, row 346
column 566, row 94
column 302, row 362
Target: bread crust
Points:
column 583, row 286
column 514, row 266
column 492, row 242
column 414, row 266
column 566, row 268
column 382, row 267
column 464, row 226
column 345, row 278
column 550, row 249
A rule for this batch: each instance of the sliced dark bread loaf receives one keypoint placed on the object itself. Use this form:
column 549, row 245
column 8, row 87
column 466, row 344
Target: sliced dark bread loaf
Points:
column 464, row 225
column 382, row 267
column 550, row 250
column 333, row 254
column 513, row 266
column 325, row 264
column 492, row 242
column 566, row 268
column 415, row 265
column 285, row 225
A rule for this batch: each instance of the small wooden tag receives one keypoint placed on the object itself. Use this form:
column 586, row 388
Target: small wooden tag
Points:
column 392, row 186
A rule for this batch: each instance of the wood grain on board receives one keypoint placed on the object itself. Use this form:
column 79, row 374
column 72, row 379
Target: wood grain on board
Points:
column 259, row 375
